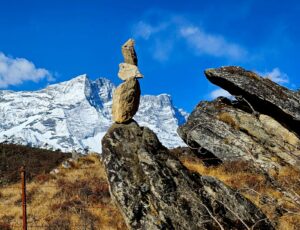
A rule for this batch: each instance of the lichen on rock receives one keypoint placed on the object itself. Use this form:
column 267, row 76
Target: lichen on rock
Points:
column 264, row 95
column 155, row 191
column 231, row 133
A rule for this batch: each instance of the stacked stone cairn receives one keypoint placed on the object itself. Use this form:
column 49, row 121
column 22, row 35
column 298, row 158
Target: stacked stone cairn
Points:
column 126, row 97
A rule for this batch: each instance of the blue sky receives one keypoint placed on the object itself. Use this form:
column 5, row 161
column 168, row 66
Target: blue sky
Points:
column 44, row 42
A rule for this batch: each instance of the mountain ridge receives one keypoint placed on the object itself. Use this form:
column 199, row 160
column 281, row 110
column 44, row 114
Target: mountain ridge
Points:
column 74, row 115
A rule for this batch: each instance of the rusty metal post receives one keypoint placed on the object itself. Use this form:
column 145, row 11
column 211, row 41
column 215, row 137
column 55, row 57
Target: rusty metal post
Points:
column 23, row 181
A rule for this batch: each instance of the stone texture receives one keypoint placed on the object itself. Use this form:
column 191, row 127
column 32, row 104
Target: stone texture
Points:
column 129, row 53
column 127, row 71
column 126, row 99
column 230, row 133
column 264, row 95
column 261, row 127
column 154, row 191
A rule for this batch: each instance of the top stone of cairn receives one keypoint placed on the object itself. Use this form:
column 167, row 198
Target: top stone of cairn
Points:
column 129, row 52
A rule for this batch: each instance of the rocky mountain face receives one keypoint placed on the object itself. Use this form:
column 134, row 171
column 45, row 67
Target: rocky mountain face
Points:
column 75, row 115
column 259, row 129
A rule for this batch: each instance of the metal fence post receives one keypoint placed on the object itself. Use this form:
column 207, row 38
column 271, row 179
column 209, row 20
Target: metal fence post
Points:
column 23, row 181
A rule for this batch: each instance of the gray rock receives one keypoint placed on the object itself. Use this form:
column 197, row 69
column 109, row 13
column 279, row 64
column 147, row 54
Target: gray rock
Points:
column 230, row 133
column 155, row 191
column 264, row 95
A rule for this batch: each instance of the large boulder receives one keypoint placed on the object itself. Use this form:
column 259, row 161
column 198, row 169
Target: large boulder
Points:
column 260, row 127
column 230, row 133
column 155, row 191
column 126, row 99
column 264, row 95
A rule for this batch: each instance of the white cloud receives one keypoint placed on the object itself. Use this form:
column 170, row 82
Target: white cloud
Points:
column 162, row 49
column 220, row 93
column 145, row 30
column 211, row 44
column 277, row 76
column 176, row 29
column 15, row 71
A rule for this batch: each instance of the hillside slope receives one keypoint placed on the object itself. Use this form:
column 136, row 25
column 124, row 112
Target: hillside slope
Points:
column 75, row 195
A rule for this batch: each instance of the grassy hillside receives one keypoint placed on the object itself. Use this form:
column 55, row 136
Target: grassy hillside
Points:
column 37, row 161
column 76, row 197
column 240, row 175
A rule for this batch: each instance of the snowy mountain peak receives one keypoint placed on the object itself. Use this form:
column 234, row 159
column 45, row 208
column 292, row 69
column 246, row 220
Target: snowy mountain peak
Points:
column 74, row 82
column 74, row 90
column 75, row 115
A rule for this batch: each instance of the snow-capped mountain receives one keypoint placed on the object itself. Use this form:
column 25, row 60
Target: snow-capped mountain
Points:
column 75, row 115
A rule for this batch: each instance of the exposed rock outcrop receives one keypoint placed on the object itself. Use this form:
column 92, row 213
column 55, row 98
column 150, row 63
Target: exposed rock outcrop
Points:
column 261, row 127
column 254, row 127
column 231, row 133
column 154, row 190
column 264, row 95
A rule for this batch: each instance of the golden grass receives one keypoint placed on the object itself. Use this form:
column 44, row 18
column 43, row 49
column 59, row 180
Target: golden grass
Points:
column 279, row 208
column 79, row 196
column 75, row 198
column 227, row 118
column 252, row 75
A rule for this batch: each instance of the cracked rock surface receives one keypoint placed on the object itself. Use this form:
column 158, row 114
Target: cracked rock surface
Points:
column 155, row 191
column 264, row 95
column 230, row 133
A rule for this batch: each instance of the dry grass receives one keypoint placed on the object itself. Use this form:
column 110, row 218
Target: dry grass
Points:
column 226, row 117
column 37, row 161
column 252, row 75
column 78, row 197
column 74, row 198
column 241, row 176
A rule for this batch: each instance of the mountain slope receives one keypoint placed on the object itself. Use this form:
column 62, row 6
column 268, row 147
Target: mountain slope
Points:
column 74, row 115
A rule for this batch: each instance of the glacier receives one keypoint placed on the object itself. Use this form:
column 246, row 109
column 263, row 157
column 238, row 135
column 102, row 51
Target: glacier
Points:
column 74, row 115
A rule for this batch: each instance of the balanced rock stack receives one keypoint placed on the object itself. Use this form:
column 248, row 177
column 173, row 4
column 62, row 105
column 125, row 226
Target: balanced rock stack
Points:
column 126, row 97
